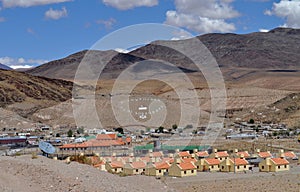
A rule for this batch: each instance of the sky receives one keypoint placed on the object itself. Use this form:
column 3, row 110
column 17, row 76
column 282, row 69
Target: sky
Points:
column 33, row 32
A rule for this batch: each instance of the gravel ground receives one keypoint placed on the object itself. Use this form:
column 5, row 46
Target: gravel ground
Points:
column 25, row 174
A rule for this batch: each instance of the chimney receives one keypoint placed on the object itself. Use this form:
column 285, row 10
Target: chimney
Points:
column 171, row 155
column 193, row 156
column 282, row 156
column 97, row 154
column 236, row 150
column 131, row 155
column 242, row 156
column 150, row 151
column 257, row 150
column 178, row 161
column 130, row 160
column 215, row 150
column 195, row 150
column 109, row 160
column 177, row 150
column 152, row 160
column 114, row 154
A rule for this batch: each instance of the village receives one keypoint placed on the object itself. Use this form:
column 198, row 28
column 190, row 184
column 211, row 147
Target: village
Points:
column 144, row 153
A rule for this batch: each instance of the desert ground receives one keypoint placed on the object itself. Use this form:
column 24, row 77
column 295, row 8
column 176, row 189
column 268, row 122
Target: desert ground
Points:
column 22, row 173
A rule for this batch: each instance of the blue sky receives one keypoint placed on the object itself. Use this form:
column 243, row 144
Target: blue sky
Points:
column 37, row 31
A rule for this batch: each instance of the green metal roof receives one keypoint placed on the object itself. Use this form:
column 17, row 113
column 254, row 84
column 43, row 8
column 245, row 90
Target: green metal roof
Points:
column 90, row 137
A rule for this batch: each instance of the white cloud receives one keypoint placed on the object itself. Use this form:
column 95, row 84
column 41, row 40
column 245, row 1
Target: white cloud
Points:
column 29, row 3
column 107, row 23
column 21, row 62
column 56, row 14
column 130, row 4
column 120, row 50
column 203, row 16
column 289, row 10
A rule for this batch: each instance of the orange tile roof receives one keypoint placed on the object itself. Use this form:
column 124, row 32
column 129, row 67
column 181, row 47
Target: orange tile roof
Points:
column 184, row 154
column 168, row 159
column 222, row 154
column 189, row 160
column 244, row 153
column 212, row 161
column 116, row 164
column 94, row 143
column 290, row 154
column 202, row 154
column 280, row 161
column 239, row 161
column 264, row 154
column 111, row 136
column 138, row 164
column 157, row 154
column 162, row 165
column 147, row 159
column 99, row 164
column 74, row 145
column 187, row 166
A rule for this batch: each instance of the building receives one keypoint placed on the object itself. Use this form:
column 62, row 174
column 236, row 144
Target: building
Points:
column 208, row 164
column 114, row 166
column 134, row 167
column 221, row 155
column 158, row 169
column 201, row 154
column 274, row 165
column 182, row 169
column 234, row 165
column 183, row 154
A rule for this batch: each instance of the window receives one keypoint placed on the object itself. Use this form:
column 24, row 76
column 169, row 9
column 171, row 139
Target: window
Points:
column 116, row 170
column 245, row 166
column 285, row 166
column 184, row 172
column 159, row 171
column 136, row 170
column 218, row 166
column 192, row 171
column 144, row 170
column 212, row 166
column 262, row 167
column 238, row 167
column 278, row 166
column 198, row 167
column 222, row 167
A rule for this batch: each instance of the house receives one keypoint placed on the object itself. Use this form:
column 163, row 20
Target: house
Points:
column 114, row 166
column 288, row 155
column 134, row 167
column 208, row 164
column 234, row 165
column 244, row 154
column 183, row 154
column 263, row 155
column 201, row 154
column 158, row 169
column 182, row 169
column 274, row 165
column 221, row 155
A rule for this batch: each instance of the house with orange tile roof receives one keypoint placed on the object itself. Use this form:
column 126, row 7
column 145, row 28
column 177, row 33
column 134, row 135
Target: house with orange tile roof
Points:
column 244, row 154
column 221, row 155
column 201, row 154
column 156, row 154
column 111, row 136
column 182, row 169
column 208, row 164
column 234, row 165
column 114, row 166
column 134, row 167
column 274, row 164
column 157, row 169
column 183, row 154
column 288, row 155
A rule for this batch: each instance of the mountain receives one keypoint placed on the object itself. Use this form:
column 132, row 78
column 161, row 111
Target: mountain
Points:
column 25, row 94
column 5, row 67
column 276, row 51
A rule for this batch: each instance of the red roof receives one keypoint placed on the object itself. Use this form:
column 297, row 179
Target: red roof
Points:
column 189, row 160
column 264, row 154
column 280, row 161
column 187, row 166
column 138, row 164
column 212, row 161
column 162, row 165
column 239, row 161
column 222, row 154
column 94, row 143
column 168, row 159
column 116, row 164
column 202, row 154
column 111, row 136
column 290, row 154
column 244, row 153
column 184, row 154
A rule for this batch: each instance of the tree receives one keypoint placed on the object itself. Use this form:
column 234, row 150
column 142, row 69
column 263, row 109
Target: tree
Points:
column 174, row 127
column 70, row 133
column 57, row 135
column 120, row 130
column 251, row 121
column 161, row 129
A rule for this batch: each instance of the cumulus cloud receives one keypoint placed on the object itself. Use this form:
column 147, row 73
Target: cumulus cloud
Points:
column 203, row 16
column 130, row 4
column 289, row 10
column 16, row 63
column 29, row 3
column 56, row 14
column 264, row 30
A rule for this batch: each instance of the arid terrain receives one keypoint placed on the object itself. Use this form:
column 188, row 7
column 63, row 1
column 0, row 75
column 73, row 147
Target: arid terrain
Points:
column 25, row 174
